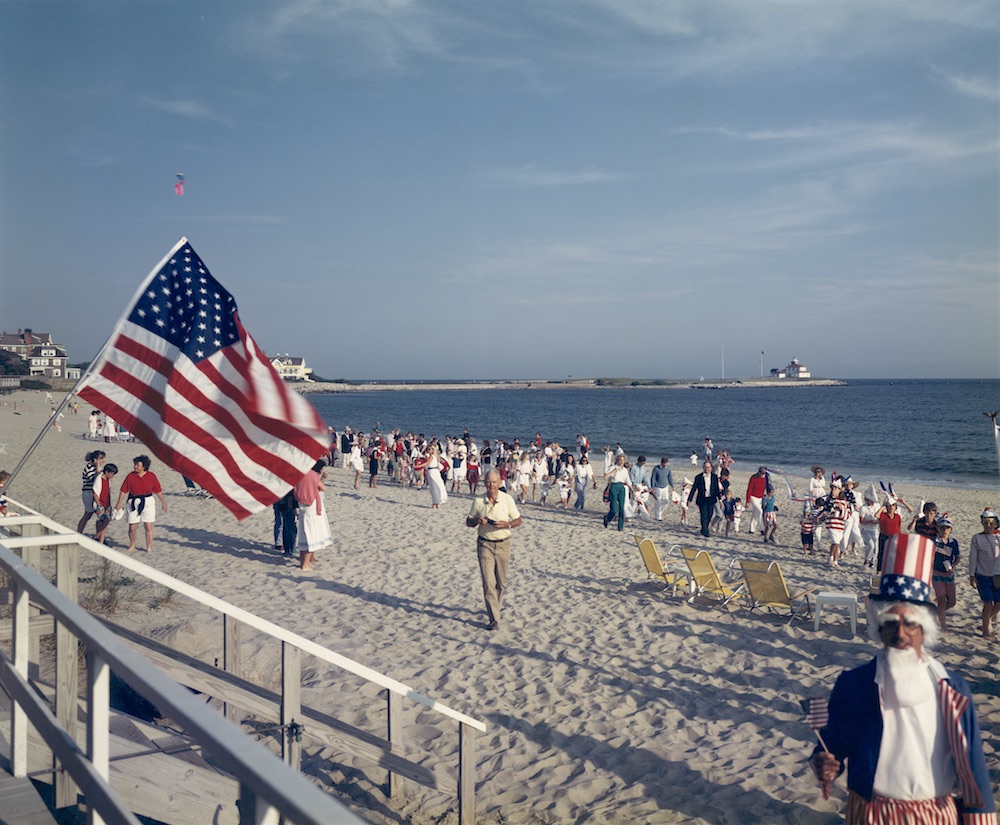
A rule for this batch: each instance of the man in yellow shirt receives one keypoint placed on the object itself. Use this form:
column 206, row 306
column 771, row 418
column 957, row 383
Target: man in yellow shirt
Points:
column 495, row 515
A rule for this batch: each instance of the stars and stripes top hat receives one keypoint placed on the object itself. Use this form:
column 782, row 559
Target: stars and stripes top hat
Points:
column 906, row 570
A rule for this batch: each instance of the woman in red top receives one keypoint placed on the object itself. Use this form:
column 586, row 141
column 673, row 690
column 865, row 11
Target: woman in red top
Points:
column 888, row 525
column 102, row 500
column 140, row 486
column 314, row 528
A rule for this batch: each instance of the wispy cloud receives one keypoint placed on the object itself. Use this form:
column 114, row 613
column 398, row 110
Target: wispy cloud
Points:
column 970, row 85
column 192, row 109
column 531, row 175
column 683, row 38
column 358, row 35
column 859, row 156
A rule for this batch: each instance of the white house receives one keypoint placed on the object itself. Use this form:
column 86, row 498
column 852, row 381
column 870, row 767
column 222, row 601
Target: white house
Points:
column 45, row 358
column 291, row 368
column 795, row 369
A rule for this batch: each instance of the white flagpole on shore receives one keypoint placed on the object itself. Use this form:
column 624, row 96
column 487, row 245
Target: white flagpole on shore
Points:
column 93, row 364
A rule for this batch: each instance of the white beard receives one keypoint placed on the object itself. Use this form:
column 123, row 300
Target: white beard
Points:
column 907, row 682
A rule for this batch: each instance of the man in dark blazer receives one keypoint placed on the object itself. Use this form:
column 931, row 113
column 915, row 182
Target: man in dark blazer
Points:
column 705, row 492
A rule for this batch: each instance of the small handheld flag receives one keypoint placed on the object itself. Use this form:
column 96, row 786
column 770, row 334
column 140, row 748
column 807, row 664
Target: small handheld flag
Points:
column 817, row 713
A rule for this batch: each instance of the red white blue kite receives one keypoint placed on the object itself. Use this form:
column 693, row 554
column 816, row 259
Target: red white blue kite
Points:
column 179, row 184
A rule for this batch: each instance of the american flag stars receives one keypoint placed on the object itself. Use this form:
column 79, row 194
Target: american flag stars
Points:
column 188, row 308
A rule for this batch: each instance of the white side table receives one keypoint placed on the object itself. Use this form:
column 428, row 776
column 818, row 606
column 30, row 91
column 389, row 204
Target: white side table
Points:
column 849, row 600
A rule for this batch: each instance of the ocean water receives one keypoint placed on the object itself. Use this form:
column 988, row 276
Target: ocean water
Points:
column 898, row 431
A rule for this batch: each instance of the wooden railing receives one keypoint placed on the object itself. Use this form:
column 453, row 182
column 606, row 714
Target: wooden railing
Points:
column 260, row 787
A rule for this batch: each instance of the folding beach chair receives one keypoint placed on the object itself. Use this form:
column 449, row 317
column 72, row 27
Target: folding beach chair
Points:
column 655, row 568
column 766, row 589
column 705, row 579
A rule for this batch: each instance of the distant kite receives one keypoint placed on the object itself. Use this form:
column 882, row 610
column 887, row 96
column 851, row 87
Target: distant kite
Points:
column 179, row 184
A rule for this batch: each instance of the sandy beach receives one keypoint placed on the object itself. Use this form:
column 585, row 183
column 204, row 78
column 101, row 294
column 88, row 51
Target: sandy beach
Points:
column 606, row 699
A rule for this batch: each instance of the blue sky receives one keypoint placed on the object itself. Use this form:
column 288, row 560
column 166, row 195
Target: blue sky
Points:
column 400, row 189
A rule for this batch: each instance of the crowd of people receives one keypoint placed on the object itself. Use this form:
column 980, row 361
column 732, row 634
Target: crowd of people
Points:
column 833, row 518
column 104, row 427
column 550, row 474
column 538, row 473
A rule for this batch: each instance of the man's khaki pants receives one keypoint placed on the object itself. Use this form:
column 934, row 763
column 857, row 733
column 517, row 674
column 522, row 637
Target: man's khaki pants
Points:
column 493, row 559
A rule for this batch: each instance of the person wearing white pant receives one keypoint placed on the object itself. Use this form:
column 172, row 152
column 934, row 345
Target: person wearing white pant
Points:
column 756, row 487
column 756, row 513
column 869, row 526
column 661, row 482
column 852, row 531
column 346, row 442
column 852, row 535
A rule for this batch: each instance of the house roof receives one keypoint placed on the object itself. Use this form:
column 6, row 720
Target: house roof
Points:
column 36, row 351
column 17, row 338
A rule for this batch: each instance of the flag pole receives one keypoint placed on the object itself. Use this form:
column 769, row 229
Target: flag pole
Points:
column 93, row 364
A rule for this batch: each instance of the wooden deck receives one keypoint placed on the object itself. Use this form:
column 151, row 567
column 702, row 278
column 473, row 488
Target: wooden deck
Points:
column 20, row 803
column 159, row 775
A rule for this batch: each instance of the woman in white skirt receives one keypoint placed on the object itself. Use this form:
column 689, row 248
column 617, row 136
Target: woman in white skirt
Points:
column 357, row 461
column 314, row 529
column 439, row 494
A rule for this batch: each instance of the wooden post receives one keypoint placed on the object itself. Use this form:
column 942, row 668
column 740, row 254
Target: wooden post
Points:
column 31, row 556
column 254, row 810
column 466, row 775
column 291, row 703
column 231, row 659
column 393, row 735
column 98, row 723
column 18, row 719
column 67, row 681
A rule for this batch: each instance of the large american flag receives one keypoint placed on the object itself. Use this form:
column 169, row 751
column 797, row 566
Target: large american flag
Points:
column 186, row 378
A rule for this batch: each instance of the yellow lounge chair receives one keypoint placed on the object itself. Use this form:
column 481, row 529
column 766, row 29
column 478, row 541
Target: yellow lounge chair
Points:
column 766, row 589
column 655, row 568
column 705, row 579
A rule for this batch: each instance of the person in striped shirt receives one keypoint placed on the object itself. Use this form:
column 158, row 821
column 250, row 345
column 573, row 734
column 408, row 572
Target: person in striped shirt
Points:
column 836, row 516
column 95, row 460
column 807, row 527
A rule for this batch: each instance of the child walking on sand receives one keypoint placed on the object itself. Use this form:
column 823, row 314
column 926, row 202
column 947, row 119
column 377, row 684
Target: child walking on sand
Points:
column 729, row 510
column 807, row 529
column 4, row 475
column 684, row 500
column 770, row 510
column 564, row 487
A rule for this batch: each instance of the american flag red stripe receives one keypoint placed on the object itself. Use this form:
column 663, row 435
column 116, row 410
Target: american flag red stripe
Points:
column 883, row 811
column 817, row 712
column 953, row 705
column 911, row 555
column 185, row 376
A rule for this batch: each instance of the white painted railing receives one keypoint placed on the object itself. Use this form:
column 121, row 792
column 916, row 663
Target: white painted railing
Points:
column 262, row 790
